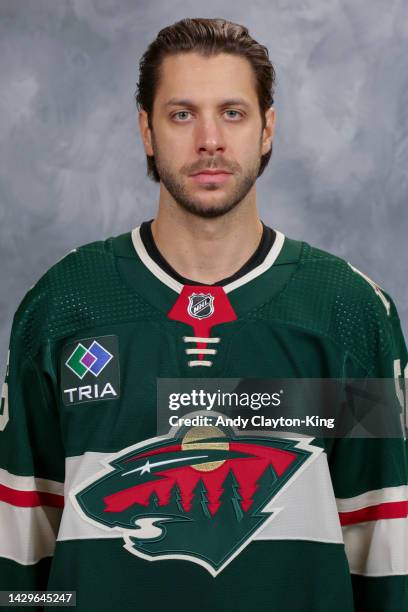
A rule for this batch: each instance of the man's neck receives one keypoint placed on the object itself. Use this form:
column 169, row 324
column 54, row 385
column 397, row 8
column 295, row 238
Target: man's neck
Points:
column 207, row 250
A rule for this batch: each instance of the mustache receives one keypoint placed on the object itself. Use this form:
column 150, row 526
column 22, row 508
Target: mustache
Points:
column 209, row 163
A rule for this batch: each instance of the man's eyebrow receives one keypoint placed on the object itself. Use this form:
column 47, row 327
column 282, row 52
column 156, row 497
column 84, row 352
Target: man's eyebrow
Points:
column 191, row 104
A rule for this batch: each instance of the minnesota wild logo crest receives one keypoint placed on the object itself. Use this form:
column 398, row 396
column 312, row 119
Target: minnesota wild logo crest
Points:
column 199, row 493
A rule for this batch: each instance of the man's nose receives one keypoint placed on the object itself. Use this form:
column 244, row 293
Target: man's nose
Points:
column 209, row 137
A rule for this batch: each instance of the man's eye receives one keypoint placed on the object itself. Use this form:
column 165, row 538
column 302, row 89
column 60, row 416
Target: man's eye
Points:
column 181, row 115
column 233, row 114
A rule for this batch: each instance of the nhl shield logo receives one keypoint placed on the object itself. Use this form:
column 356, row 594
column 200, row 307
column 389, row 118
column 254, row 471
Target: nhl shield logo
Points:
column 200, row 305
column 199, row 493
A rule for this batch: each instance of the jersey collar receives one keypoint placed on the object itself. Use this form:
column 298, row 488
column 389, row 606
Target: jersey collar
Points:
column 172, row 283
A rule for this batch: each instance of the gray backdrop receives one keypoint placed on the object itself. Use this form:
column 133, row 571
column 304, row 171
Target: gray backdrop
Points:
column 72, row 167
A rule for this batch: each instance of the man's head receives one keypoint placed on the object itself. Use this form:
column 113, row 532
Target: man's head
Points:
column 205, row 98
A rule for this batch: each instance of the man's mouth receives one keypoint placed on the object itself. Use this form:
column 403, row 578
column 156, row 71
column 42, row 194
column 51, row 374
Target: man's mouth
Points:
column 213, row 175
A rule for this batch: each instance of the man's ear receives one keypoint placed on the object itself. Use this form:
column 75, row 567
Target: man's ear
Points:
column 269, row 130
column 145, row 132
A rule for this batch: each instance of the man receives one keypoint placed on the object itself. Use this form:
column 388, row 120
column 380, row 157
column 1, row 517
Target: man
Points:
column 93, row 500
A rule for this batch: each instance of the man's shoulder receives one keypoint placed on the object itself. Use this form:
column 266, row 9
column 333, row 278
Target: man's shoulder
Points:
column 90, row 254
column 71, row 270
column 72, row 292
column 333, row 279
column 330, row 297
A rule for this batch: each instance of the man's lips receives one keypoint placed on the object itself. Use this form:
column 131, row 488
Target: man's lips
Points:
column 214, row 175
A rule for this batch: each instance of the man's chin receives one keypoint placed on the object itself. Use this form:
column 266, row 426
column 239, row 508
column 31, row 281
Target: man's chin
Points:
column 207, row 210
column 209, row 202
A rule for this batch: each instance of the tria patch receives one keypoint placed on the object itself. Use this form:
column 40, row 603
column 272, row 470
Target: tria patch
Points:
column 201, row 494
column 90, row 370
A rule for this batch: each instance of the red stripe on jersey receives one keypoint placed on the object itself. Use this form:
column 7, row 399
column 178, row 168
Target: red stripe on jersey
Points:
column 30, row 499
column 388, row 510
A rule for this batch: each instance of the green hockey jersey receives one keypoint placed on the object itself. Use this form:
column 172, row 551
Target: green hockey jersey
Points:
column 93, row 500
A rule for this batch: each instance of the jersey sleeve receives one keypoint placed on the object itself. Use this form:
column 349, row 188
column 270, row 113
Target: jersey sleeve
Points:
column 370, row 481
column 31, row 464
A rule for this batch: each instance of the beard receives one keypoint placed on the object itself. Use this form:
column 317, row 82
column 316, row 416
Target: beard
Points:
column 193, row 204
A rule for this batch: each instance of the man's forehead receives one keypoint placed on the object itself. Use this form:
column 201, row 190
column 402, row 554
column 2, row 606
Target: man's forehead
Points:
column 225, row 75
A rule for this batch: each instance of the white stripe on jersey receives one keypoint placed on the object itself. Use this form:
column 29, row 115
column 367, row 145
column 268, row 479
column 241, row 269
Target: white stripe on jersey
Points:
column 305, row 510
column 29, row 533
column 377, row 548
column 373, row 498
column 30, row 483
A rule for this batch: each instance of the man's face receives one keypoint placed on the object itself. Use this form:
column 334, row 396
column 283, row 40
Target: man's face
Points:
column 207, row 137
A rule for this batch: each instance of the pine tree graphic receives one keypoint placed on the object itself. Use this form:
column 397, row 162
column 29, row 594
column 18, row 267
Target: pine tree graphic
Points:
column 174, row 506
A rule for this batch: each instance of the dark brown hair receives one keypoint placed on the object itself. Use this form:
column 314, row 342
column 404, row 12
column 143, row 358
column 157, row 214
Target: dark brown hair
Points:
column 207, row 37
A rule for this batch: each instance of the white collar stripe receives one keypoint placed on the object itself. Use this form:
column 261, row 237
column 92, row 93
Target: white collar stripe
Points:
column 152, row 265
column 263, row 267
column 178, row 287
